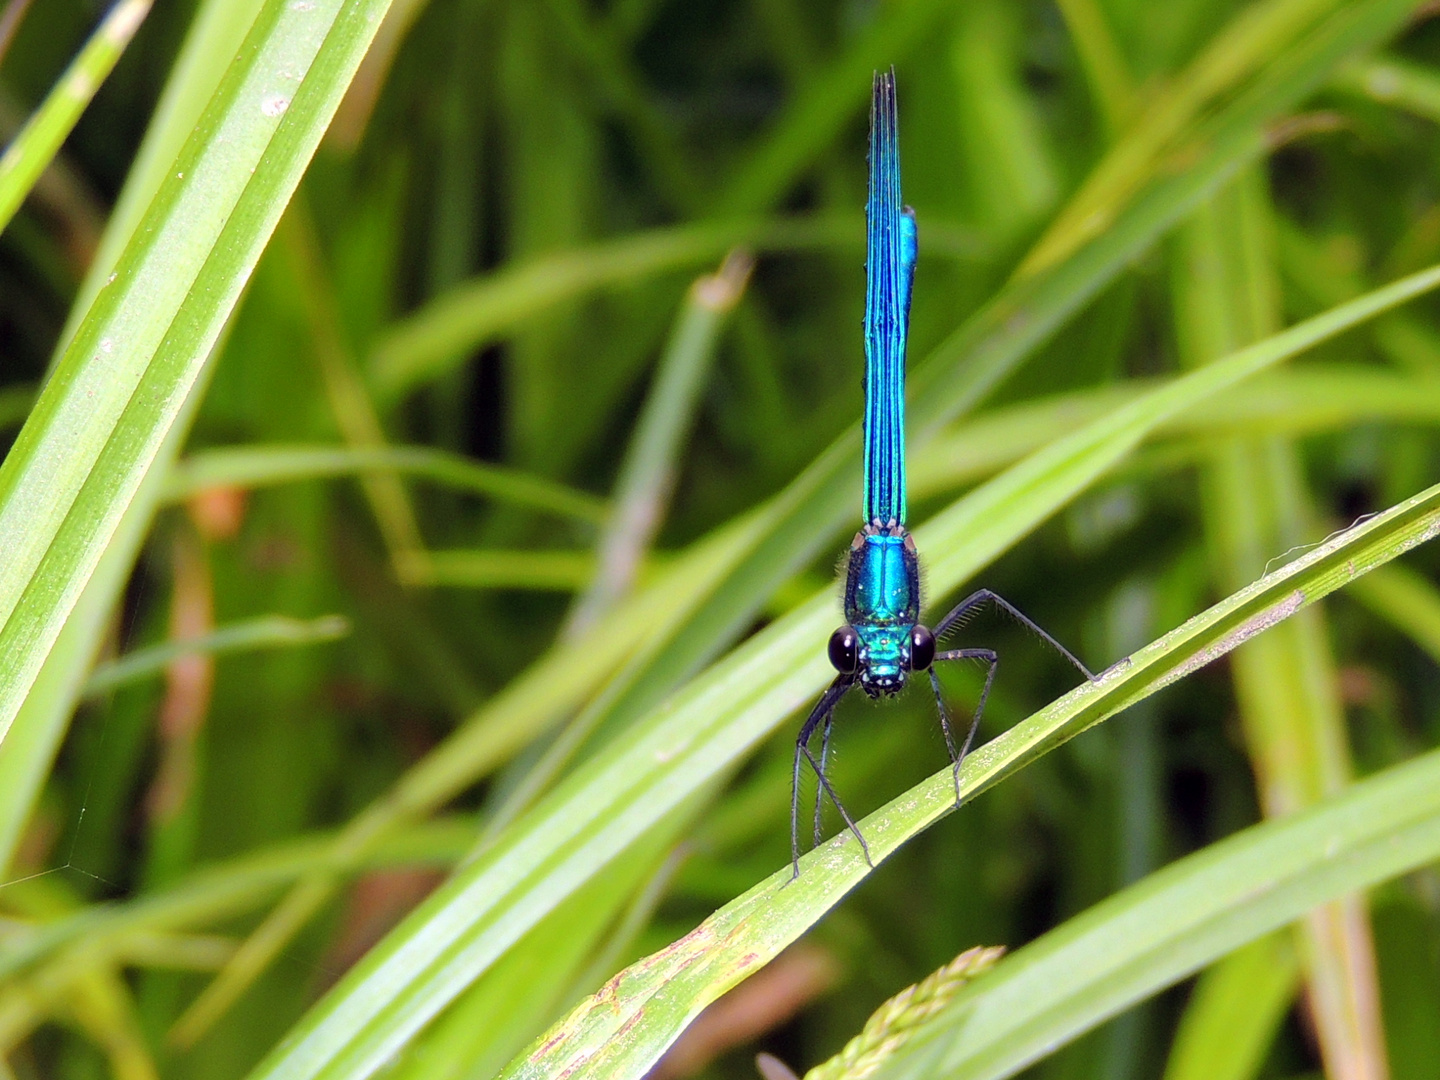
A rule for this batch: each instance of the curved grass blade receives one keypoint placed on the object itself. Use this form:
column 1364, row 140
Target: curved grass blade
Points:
column 705, row 728
column 214, row 894
column 39, row 141
column 262, row 466
column 266, row 632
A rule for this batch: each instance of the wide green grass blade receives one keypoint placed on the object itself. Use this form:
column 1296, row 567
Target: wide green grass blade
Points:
column 34, row 739
column 38, row 142
column 654, row 1000
column 593, row 817
column 217, row 30
column 105, row 413
column 25, row 755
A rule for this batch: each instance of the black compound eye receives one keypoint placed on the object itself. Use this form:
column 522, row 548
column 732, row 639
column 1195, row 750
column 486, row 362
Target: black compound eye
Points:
column 844, row 650
column 922, row 648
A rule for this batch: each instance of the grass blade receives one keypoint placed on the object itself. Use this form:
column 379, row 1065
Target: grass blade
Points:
column 103, row 416
column 647, row 477
column 39, row 141
column 560, row 571
column 349, row 398
column 1285, row 684
column 1393, row 81
column 216, row 33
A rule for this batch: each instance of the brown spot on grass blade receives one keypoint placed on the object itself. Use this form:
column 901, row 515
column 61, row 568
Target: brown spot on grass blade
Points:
column 760, row 1004
column 619, row 1003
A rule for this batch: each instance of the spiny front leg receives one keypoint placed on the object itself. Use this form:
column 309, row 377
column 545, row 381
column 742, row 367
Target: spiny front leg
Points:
column 980, row 596
column 821, row 712
column 956, row 757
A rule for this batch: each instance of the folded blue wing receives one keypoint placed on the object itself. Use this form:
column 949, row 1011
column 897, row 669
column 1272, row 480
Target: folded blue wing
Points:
column 889, row 271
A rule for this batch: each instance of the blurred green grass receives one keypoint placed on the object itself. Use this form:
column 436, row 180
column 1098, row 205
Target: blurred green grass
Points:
column 538, row 184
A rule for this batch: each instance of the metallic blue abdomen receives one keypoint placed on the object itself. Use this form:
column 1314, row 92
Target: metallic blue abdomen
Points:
column 882, row 603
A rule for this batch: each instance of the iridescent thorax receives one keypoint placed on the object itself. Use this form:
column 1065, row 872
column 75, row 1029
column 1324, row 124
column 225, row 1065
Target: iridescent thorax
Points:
column 882, row 604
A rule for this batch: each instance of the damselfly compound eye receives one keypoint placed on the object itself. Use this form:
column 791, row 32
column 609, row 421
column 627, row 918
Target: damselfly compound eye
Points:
column 845, row 650
column 922, row 648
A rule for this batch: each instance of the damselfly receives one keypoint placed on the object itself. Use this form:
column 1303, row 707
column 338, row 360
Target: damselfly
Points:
column 883, row 641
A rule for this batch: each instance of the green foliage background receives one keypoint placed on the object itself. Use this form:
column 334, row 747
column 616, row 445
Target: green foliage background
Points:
column 491, row 256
